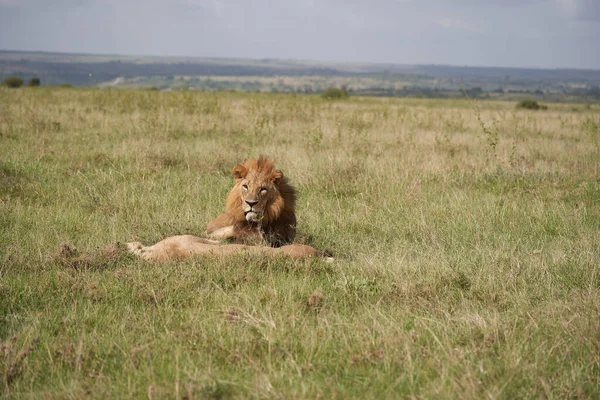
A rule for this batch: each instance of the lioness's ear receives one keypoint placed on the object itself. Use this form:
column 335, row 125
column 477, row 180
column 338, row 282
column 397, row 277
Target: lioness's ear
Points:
column 240, row 172
column 277, row 174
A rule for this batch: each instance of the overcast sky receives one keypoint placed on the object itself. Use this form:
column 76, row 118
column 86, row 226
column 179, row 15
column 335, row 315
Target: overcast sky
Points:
column 516, row 33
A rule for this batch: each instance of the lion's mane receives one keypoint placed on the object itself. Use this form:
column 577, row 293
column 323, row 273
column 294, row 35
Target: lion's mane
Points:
column 277, row 225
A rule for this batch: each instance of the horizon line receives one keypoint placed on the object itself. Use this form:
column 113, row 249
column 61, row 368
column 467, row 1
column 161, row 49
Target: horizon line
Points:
column 265, row 59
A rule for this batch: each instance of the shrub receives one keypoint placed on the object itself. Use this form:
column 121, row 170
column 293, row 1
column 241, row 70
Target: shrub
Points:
column 34, row 82
column 531, row 105
column 334, row 93
column 474, row 92
column 66, row 85
column 13, row 82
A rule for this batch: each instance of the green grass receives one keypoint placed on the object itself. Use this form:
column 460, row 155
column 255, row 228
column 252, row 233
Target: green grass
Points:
column 463, row 270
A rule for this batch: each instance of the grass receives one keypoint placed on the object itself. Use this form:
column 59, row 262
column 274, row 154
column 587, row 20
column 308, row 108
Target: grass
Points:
column 464, row 270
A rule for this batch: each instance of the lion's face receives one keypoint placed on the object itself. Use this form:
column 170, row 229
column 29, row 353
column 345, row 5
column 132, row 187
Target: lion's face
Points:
column 257, row 189
column 255, row 194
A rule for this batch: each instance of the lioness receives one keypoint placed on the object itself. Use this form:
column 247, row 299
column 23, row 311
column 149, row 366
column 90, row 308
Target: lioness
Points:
column 177, row 248
column 260, row 207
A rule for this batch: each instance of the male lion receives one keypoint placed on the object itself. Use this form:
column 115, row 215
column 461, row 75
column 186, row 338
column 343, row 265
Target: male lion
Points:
column 259, row 208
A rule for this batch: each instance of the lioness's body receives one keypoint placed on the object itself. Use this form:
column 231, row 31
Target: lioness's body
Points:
column 259, row 208
column 176, row 248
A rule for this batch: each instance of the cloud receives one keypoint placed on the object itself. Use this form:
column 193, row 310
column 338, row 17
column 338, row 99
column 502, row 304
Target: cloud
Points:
column 461, row 32
column 37, row 3
column 585, row 10
column 460, row 25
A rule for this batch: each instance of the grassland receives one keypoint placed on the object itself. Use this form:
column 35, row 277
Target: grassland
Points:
column 467, row 238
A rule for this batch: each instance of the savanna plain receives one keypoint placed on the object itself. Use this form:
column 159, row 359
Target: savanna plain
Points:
column 466, row 238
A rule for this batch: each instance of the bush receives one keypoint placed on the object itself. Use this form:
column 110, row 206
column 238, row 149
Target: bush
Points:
column 13, row 82
column 334, row 93
column 34, row 82
column 66, row 85
column 474, row 92
column 529, row 104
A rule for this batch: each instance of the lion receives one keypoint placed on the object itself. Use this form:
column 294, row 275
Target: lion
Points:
column 177, row 248
column 260, row 208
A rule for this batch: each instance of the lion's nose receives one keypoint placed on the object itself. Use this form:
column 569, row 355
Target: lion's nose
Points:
column 251, row 203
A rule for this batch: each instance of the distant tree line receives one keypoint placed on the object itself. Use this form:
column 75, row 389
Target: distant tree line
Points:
column 16, row 82
column 84, row 74
column 419, row 81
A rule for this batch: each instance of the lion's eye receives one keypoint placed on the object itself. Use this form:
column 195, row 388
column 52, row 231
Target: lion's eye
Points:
column 245, row 187
column 263, row 189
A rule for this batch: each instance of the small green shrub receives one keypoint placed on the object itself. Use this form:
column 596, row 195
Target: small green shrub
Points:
column 66, row 85
column 13, row 82
column 34, row 82
column 529, row 104
column 335, row 93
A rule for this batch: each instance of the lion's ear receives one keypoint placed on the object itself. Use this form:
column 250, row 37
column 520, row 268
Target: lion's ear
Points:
column 276, row 175
column 240, row 172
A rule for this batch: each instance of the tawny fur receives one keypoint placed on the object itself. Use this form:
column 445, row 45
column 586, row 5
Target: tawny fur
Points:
column 177, row 248
column 272, row 220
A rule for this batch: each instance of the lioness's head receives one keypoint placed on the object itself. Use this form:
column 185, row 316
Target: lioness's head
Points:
column 257, row 191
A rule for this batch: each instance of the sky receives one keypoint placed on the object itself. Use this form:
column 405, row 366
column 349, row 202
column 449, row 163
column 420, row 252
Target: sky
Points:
column 495, row 33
